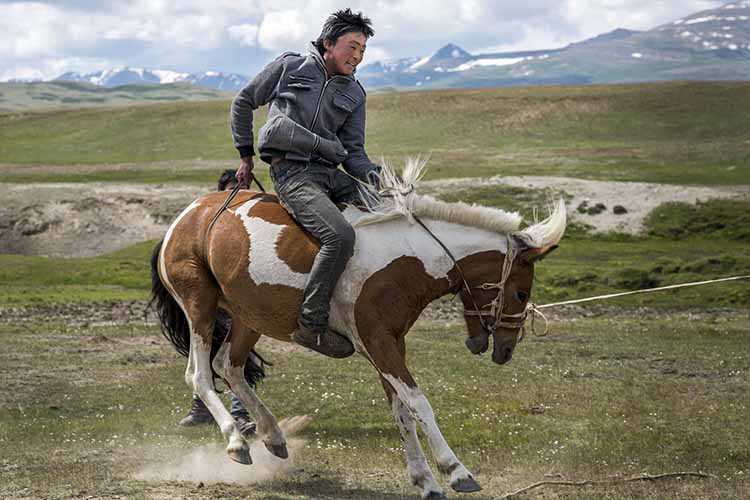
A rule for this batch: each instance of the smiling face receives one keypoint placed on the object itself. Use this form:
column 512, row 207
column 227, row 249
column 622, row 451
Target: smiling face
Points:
column 343, row 57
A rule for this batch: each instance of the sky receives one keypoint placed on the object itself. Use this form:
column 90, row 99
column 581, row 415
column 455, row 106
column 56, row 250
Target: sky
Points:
column 44, row 39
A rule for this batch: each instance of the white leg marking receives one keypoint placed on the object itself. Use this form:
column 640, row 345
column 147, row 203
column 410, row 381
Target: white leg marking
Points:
column 266, row 422
column 202, row 383
column 420, row 407
column 420, row 473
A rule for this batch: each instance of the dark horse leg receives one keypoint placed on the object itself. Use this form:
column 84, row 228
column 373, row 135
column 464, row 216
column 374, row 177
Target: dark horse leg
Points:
column 229, row 363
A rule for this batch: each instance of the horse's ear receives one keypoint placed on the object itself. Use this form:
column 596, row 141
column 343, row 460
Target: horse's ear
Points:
column 534, row 255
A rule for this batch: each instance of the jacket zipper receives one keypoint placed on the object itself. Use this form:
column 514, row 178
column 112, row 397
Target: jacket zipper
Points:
column 320, row 100
column 322, row 92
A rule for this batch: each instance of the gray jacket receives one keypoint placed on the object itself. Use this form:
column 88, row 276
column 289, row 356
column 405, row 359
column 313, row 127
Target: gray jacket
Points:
column 310, row 118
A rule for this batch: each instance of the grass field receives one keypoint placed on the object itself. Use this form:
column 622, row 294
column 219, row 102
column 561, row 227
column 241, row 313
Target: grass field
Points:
column 684, row 133
column 647, row 384
column 597, row 398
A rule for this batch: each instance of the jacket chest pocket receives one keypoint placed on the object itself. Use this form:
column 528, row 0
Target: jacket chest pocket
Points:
column 342, row 106
column 296, row 86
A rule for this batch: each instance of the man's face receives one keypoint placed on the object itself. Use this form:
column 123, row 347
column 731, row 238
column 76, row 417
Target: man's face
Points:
column 343, row 57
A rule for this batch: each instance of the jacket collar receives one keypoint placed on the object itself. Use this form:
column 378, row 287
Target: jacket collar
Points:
column 312, row 51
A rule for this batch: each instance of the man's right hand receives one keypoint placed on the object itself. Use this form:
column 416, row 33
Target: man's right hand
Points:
column 332, row 150
column 243, row 173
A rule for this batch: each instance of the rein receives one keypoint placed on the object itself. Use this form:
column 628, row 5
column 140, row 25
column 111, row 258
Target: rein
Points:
column 501, row 319
column 224, row 206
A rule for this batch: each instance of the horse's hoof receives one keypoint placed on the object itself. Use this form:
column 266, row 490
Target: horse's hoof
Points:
column 435, row 495
column 277, row 450
column 466, row 485
column 241, row 455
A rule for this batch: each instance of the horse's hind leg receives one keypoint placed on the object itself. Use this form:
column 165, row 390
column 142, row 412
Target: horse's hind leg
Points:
column 199, row 304
column 230, row 364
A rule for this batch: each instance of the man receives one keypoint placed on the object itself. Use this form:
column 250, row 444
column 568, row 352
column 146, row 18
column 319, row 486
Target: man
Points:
column 316, row 121
column 198, row 413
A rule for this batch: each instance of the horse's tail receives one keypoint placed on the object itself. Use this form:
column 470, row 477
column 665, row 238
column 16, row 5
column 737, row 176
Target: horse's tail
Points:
column 176, row 329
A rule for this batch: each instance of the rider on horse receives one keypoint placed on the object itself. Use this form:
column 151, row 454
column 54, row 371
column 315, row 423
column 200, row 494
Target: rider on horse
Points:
column 316, row 121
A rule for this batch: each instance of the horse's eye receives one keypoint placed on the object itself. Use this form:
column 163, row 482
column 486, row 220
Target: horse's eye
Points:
column 522, row 296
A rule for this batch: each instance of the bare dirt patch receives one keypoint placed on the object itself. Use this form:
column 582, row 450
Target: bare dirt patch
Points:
column 638, row 198
column 86, row 220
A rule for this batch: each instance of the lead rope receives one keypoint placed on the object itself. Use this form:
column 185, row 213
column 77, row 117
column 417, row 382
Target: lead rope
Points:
column 536, row 309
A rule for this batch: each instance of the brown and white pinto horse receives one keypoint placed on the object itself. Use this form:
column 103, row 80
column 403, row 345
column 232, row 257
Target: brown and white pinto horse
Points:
column 254, row 263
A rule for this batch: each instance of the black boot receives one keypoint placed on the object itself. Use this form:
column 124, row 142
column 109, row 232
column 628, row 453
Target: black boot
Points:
column 198, row 414
column 328, row 342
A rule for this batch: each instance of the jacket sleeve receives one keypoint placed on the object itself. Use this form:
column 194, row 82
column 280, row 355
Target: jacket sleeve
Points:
column 352, row 136
column 258, row 92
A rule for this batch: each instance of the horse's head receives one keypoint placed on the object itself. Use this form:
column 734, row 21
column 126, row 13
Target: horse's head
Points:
column 499, row 286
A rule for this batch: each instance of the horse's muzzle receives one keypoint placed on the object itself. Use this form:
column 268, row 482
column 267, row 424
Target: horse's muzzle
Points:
column 501, row 354
column 478, row 344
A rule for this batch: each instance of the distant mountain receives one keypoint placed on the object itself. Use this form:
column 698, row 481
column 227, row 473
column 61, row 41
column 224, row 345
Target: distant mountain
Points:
column 445, row 67
column 128, row 76
column 708, row 45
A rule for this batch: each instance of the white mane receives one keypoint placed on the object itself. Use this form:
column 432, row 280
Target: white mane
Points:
column 400, row 199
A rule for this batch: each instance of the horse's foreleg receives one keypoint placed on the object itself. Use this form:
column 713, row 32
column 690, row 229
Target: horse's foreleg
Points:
column 230, row 364
column 460, row 479
column 391, row 363
column 419, row 471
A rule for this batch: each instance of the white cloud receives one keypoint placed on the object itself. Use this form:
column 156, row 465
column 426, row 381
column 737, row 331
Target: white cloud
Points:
column 375, row 54
column 174, row 34
column 284, row 30
column 244, row 34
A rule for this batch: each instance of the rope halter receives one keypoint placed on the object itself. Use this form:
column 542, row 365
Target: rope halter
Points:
column 496, row 307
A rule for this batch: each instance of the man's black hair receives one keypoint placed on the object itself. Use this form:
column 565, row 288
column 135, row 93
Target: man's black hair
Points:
column 227, row 177
column 341, row 22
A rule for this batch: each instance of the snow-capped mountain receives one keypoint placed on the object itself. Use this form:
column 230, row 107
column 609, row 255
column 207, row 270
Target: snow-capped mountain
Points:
column 127, row 76
column 707, row 45
column 442, row 66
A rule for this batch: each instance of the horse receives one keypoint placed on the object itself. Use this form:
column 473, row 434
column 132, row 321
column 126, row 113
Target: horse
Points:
column 409, row 251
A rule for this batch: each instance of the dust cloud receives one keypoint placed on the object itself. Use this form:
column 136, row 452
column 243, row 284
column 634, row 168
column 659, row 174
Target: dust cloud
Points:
column 211, row 464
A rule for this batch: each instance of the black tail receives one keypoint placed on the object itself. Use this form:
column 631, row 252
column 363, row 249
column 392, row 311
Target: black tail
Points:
column 175, row 327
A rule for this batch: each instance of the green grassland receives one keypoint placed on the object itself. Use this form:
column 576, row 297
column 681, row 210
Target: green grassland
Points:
column 683, row 133
column 84, row 408
column 660, row 388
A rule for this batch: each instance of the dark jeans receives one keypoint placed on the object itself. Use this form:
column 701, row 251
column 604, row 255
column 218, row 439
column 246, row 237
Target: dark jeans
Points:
column 310, row 191
column 237, row 410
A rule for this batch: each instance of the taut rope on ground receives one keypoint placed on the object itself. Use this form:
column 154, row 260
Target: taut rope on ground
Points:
column 536, row 309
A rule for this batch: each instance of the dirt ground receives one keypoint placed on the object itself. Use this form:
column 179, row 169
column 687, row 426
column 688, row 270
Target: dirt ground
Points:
column 53, row 219
column 638, row 198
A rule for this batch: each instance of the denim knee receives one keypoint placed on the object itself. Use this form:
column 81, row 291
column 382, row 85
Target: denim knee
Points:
column 347, row 237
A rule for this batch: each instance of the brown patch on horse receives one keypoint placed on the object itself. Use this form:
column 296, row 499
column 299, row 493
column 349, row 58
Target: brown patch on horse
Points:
column 268, row 208
column 393, row 298
column 269, row 309
column 295, row 246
